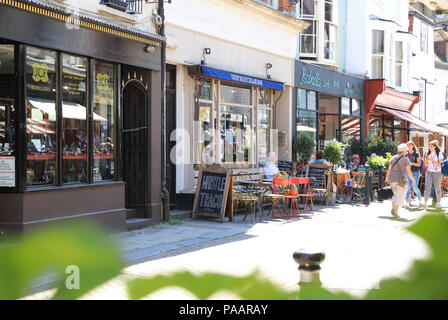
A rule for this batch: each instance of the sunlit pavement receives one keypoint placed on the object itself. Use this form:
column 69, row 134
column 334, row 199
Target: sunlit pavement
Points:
column 363, row 245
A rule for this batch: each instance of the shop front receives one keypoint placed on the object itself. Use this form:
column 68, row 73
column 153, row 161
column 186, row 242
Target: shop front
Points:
column 79, row 119
column 328, row 104
column 389, row 115
column 242, row 108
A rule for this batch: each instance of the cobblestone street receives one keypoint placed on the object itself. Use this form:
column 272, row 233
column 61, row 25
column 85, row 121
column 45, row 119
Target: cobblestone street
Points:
column 362, row 244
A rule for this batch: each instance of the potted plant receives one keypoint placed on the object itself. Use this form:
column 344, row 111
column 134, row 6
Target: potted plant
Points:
column 333, row 153
column 305, row 146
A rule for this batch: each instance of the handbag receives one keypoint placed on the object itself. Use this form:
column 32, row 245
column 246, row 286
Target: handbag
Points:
column 403, row 180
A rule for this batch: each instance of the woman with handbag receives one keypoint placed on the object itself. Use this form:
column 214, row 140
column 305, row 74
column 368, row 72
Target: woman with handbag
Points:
column 415, row 159
column 397, row 176
column 433, row 162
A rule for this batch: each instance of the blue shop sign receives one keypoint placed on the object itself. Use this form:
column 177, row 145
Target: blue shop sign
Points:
column 319, row 79
column 225, row 75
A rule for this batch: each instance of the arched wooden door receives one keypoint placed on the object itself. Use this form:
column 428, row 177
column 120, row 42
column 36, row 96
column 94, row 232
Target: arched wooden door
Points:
column 134, row 142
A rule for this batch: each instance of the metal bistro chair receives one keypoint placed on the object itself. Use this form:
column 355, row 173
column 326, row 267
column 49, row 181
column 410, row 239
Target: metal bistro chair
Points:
column 277, row 196
column 357, row 186
column 245, row 193
column 304, row 191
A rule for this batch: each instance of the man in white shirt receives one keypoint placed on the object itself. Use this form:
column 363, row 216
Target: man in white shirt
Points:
column 270, row 168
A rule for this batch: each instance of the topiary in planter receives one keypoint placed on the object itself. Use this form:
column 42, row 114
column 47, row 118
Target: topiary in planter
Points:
column 304, row 146
column 334, row 152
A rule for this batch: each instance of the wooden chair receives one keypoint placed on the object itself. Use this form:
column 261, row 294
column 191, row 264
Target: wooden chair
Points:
column 357, row 186
column 245, row 194
column 322, row 189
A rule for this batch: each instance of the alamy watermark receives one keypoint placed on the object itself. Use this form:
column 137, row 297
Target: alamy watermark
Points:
column 231, row 144
column 72, row 282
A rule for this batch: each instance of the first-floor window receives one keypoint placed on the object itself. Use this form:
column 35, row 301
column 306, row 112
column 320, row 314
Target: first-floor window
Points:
column 446, row 98
column 399, row 63
column 377, row 54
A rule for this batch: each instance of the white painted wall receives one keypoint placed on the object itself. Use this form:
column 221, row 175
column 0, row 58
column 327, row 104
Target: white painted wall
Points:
column 242, row 39
column 440, row 87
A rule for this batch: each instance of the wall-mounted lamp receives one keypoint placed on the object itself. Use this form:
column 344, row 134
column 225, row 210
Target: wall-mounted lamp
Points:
column 204, row 52
column 149, row 49
column 268, row 66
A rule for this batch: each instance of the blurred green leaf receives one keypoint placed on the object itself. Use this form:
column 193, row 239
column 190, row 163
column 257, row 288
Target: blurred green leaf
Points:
column 251, row 287
column 54, row 249
column 428, row 279
column 203, row 286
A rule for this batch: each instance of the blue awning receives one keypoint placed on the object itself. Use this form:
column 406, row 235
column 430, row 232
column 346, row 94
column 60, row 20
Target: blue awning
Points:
column 225, row 75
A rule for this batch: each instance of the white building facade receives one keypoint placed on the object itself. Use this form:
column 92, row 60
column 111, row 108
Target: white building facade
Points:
column 229, row 120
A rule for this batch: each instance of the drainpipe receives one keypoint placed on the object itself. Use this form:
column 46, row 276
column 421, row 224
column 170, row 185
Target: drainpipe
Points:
column 164, row 191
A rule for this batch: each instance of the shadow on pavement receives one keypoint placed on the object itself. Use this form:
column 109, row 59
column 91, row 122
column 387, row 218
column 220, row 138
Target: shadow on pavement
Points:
column 397, row 219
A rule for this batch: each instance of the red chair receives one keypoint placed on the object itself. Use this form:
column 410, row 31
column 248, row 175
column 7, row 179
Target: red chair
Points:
column 302, row 183
column 284, row 187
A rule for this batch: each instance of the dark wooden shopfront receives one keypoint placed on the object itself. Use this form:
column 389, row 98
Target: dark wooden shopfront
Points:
column 108, row 185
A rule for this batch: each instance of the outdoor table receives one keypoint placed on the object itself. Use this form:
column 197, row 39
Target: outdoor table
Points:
column 342, row 177
column 263, row 185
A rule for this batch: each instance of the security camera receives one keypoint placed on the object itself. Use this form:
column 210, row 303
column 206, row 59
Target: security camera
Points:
column 149, row 49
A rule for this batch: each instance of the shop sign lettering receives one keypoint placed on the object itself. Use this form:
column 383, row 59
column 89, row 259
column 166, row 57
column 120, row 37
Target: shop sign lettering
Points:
column 332, row 82
column 102, row 83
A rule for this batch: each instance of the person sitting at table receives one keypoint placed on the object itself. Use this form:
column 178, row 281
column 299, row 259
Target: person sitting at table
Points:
column 354, row 164
column 320, row 158
column 270, row 168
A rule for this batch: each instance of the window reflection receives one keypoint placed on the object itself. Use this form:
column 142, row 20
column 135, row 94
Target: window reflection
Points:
column 103, row 122
column 41, row 116
column 74, row 119
column 264, row 119
column 235, row 141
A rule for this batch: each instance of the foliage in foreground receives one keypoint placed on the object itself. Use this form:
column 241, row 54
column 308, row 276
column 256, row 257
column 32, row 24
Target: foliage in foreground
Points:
column 98, row 260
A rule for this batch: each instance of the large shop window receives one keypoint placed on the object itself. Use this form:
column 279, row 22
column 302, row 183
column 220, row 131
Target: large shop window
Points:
column 7, row 117
column 233, row 123
column 74, row 119
column 76, row 138
column 103, row 121
column 41, row 116
column 306, row 112
column 264, row 123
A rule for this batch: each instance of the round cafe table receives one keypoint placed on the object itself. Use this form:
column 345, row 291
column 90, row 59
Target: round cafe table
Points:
column 342, row 177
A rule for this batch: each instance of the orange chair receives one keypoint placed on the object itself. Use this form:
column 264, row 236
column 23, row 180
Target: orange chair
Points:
column 303, row 183
column 282, row 191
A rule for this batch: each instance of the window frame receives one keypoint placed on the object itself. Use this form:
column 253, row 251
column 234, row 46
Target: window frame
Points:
column 374, row 55
column 89, row 119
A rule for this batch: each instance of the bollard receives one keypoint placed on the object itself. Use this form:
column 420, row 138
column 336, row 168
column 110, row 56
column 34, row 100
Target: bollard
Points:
column 309, row 265
column 165, row 205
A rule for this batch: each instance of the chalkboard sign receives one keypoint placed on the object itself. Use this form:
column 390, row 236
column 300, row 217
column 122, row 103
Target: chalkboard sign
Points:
column 212, row 192
column 317, row 176
column 285, row 166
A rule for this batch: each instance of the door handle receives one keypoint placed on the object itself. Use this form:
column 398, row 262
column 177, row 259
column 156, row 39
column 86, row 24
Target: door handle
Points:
column 134, row 129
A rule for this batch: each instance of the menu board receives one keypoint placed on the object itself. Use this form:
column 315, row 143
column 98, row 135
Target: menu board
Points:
column 7, row 172
column 212, row 192
column 285, row 166
column 317, row 177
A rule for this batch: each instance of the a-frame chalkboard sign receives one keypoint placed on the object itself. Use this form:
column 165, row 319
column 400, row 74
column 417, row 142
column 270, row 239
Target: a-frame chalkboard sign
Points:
column 213, row 193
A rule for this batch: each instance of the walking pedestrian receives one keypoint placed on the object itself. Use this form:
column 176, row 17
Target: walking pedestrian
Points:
column 396, row 176
column 433, row 162
column 415, row 159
